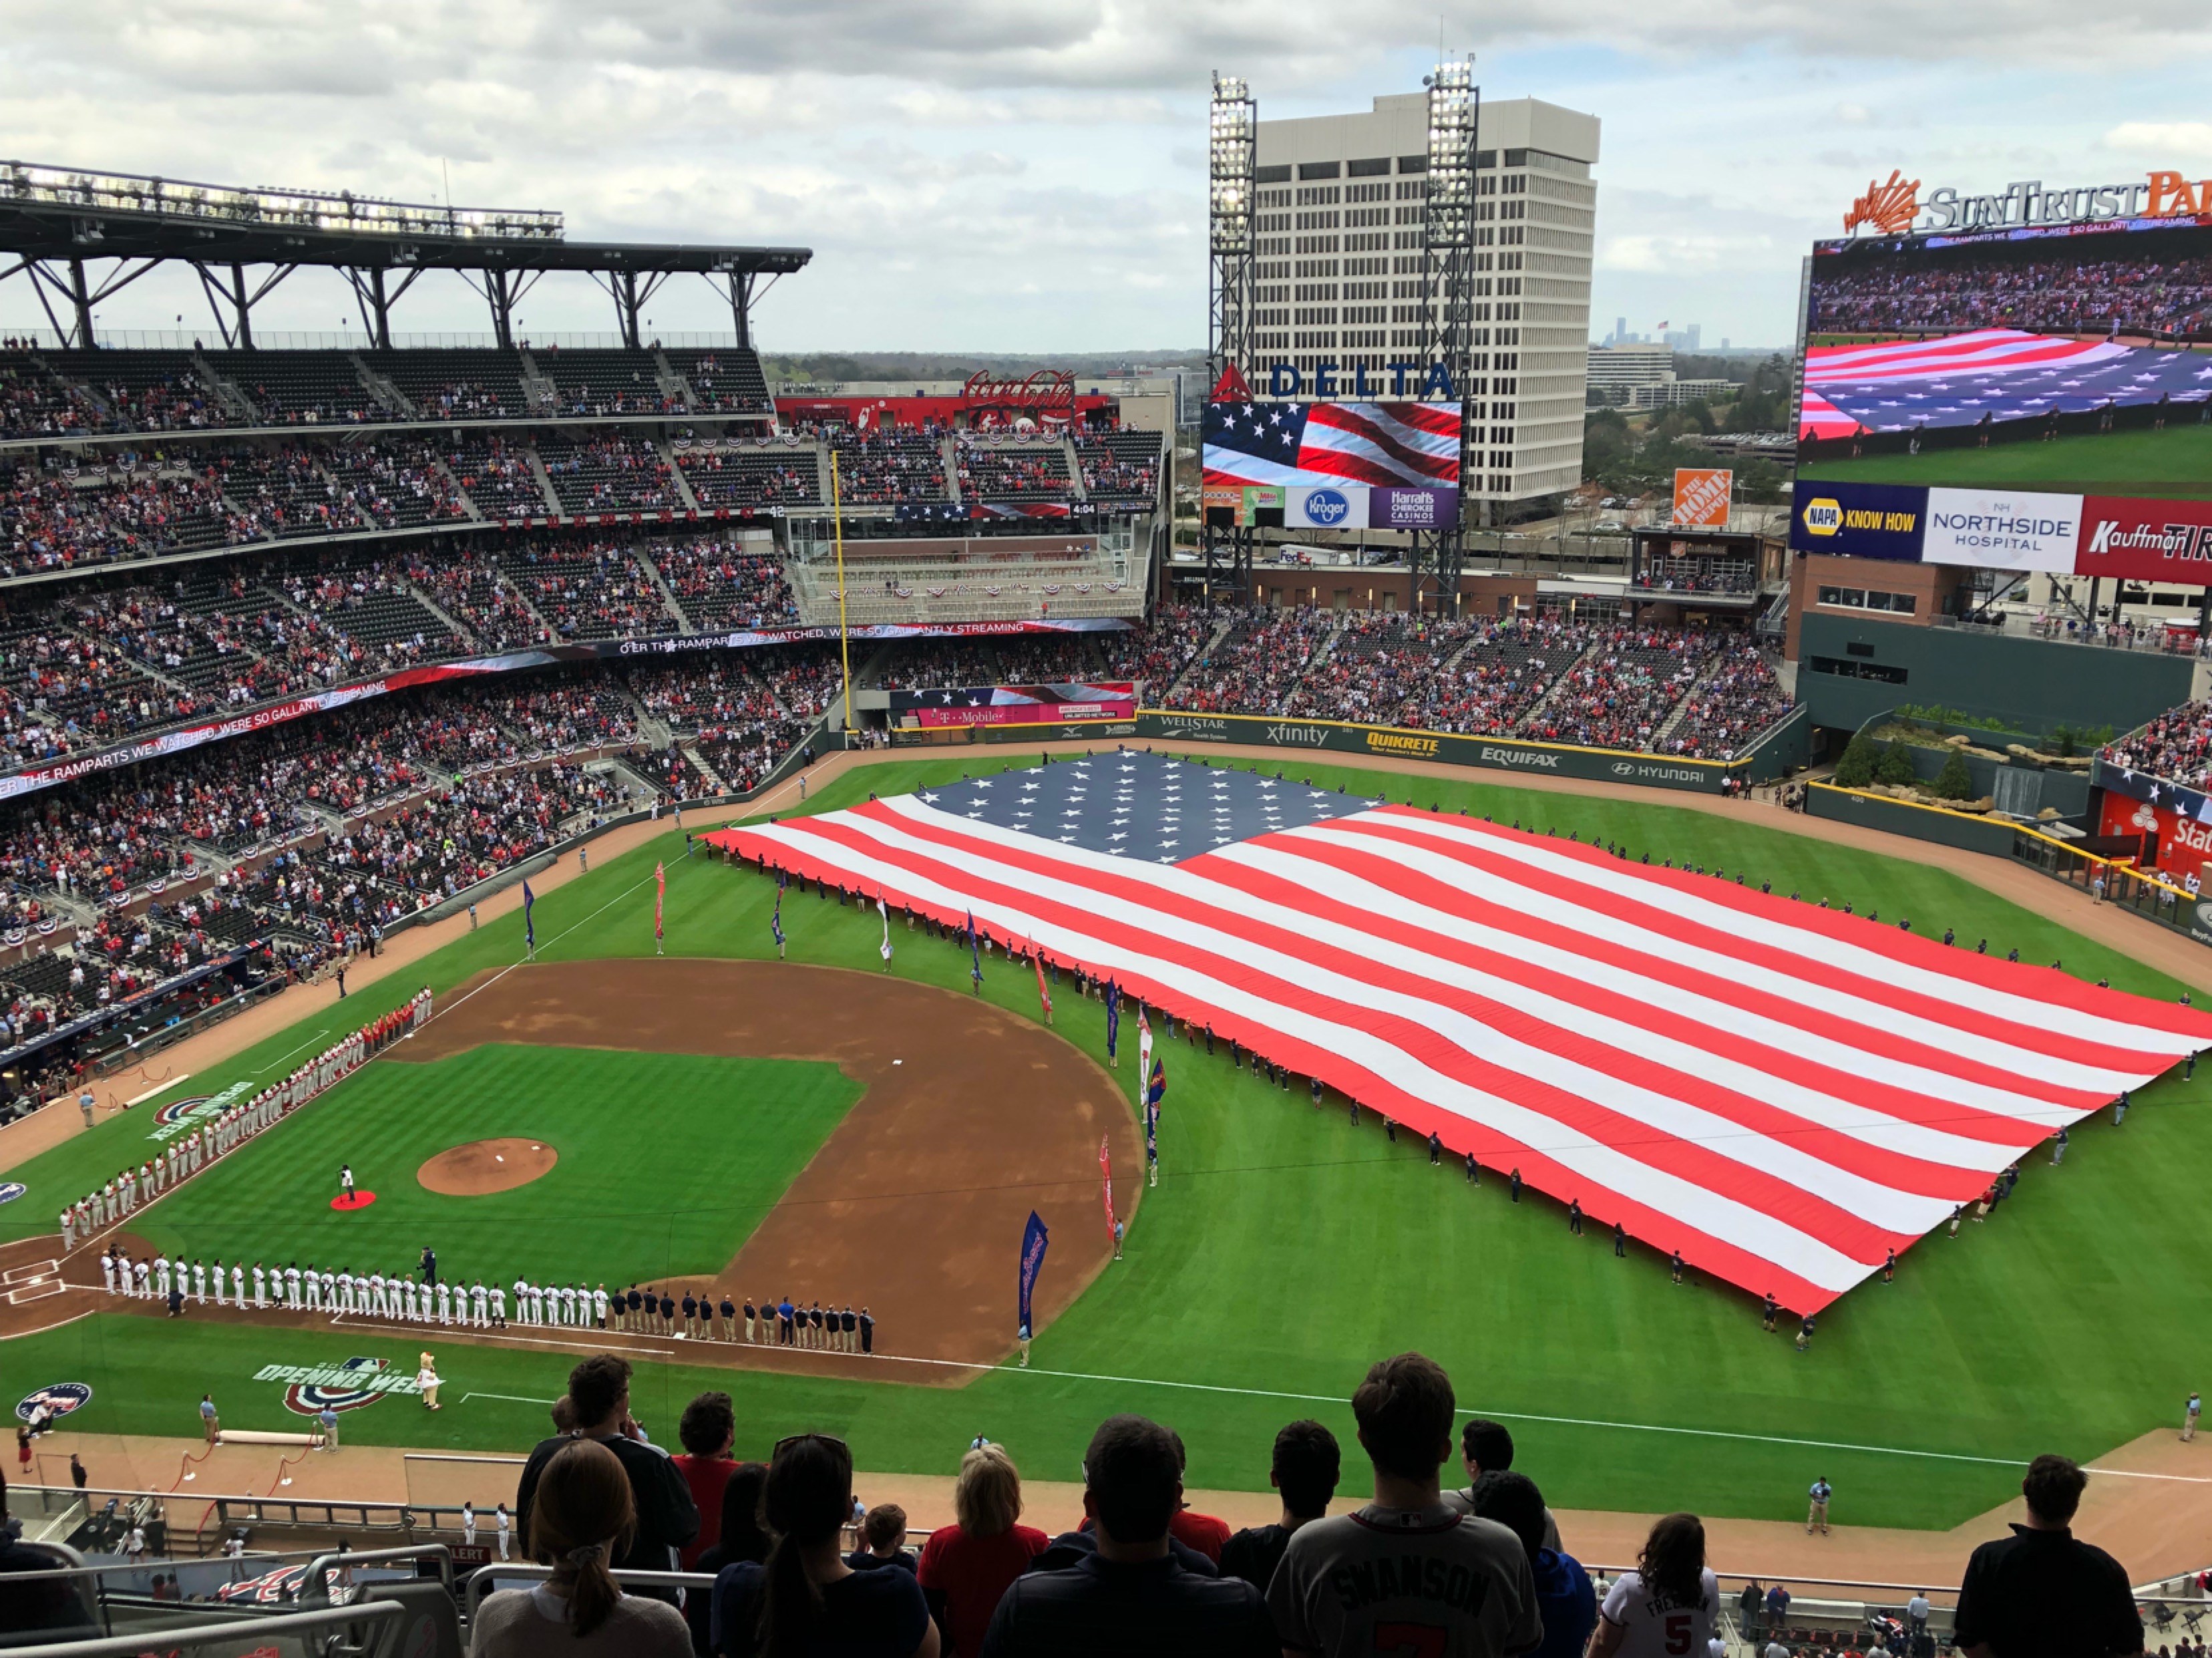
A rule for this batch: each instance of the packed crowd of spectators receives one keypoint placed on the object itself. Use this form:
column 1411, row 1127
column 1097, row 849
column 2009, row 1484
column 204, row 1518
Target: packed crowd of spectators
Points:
column 54, row 516
column 1373, row 666
column 1254, row 667
column 1156, row 653
column 1014, row 472
column 1550, row 678
column 588, row 589
column 615, row 473
column 1498, row 676
column 1739, row 697
column 1623, row 689
column 1952, row 291
column 719, row 586
column 883, row 467
column 2176, row 746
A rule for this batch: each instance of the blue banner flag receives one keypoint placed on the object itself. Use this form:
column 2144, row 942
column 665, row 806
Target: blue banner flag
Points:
column 1034, row 1242
column 529, row 923
column 1112, row 1015
column 775, row 919
column 975, row 956
column 1155, row 1090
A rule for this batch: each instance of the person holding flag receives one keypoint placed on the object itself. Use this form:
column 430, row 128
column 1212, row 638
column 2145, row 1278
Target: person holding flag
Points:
column 1112, row 1020
column 1034, row 1241
column 1036, row 957
column 660, row 897
column 529, row 923
column 882, row 910
column 974, row 957
column 1155, row 1090
column 1106, row 1179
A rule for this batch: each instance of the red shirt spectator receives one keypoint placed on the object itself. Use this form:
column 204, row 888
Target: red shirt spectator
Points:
column 708, row 1429
column 966, row 1567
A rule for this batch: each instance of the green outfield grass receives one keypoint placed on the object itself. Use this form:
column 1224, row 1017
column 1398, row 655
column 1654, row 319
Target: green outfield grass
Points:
column 674, row 1157
column 1283, row 1249
column 2177, row 462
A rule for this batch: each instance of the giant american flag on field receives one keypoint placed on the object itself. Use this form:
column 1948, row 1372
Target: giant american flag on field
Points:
column 1782, row 1092
column 1997, row 374
column 1415, row 445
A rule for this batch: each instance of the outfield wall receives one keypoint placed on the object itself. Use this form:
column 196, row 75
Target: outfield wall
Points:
column 1496, row 754
column 1848, row 670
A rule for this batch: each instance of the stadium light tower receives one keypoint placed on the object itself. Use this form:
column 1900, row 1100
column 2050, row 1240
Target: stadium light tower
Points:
column 1448, row 238
column 1232, row 162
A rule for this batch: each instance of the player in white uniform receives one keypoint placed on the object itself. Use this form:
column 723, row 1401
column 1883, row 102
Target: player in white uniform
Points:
column 1668, row 1605
column 498, row 1307
column 237, row 1284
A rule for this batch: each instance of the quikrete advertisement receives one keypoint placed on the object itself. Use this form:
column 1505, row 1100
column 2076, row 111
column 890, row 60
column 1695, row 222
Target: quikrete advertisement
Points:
column 1500, row 753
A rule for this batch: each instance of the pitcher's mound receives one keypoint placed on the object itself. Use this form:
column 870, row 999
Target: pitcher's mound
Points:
column 487, row 1166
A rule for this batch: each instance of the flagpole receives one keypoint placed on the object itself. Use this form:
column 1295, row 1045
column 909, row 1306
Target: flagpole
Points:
column 844, row 638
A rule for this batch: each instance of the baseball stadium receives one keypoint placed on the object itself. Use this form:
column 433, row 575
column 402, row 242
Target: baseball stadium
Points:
column 860, row 906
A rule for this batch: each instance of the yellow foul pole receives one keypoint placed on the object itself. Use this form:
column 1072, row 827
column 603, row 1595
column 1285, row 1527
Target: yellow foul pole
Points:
column 844, row 638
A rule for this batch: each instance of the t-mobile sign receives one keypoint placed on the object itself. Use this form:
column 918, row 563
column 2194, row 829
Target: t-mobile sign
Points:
column 1400, row 509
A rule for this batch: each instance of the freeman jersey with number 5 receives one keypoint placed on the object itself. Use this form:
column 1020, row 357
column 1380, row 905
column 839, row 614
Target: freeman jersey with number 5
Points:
column 1655, row 1625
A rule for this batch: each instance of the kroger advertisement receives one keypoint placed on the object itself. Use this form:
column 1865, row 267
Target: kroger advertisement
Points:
column 2123, row 537
column 1332, row 465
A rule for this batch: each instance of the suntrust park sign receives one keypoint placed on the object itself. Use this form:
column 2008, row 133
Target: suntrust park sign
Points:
column 1896, row 207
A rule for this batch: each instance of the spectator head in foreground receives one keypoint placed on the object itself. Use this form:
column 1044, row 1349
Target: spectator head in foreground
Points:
column 1404, row 1410
column 808, row 1498
column 1305, row 1468
column 581, row 1523
column 1672, row 1559
column 1486, row 1447
column 1132, row 1486
column 2053, row 1489
column 743, row 1537
column 986, row 1498
column 2042, row 1589
column 1670, row 1600
column 884, row 1531
column 708, row 1426
column 599, row 1395
column 1564, row 1595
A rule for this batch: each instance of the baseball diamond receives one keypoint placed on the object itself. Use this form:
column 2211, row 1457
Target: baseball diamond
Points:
column 833, row 1128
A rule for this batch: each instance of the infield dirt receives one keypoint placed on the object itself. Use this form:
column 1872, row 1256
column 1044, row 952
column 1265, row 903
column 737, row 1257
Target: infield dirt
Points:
column 971, row 1118
column 484, row 1166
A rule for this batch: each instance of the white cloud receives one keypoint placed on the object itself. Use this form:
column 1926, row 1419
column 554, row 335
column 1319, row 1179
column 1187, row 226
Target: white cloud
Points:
column 1027, row 173
column 2169, row 140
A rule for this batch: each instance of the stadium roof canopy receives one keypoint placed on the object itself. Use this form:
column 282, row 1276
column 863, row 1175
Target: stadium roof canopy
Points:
column 52, row 219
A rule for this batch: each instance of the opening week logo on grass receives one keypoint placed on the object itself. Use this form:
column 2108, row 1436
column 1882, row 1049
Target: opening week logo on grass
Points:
column 349, row 1385
column 61, row 1399
column 182, row 1116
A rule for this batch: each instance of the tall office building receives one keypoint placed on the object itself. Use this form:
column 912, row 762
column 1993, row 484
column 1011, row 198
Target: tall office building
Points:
column 1339, row 271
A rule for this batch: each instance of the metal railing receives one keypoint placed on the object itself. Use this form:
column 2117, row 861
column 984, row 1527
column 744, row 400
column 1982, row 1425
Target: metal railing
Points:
column 185, row 1637
column 2123, row 885
column 483, row 1580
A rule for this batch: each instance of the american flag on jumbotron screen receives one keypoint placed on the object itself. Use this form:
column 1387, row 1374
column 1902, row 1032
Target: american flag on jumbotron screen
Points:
column 1316, row 444
column 1783, row 1092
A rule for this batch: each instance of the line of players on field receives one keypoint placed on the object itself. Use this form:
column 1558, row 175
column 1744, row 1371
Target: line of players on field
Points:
column 767, row 1323
column 293, row 1288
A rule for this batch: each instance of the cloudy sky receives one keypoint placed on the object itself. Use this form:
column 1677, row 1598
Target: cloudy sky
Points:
column 1027, row 176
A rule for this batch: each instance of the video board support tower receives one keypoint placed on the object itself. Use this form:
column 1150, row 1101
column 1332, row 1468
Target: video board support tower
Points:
column 1232, row 275
column 1448, row 239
